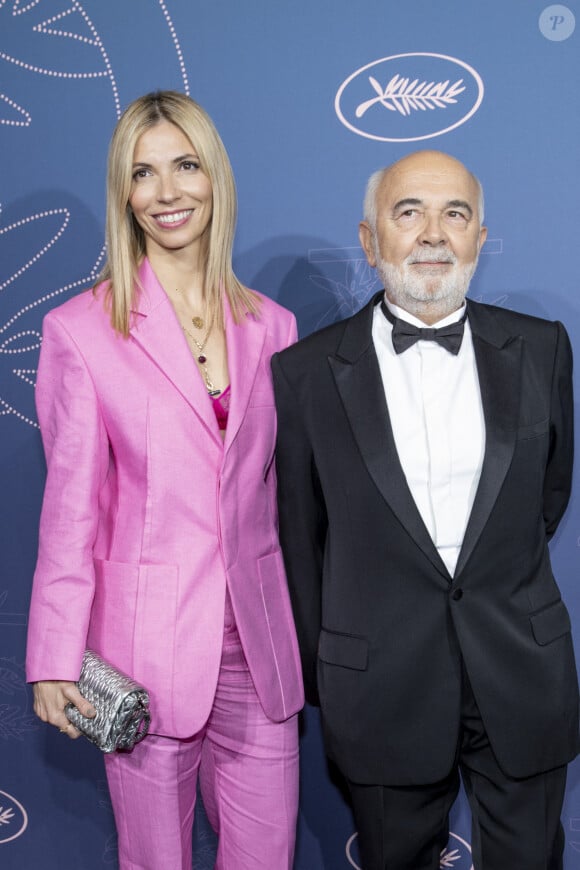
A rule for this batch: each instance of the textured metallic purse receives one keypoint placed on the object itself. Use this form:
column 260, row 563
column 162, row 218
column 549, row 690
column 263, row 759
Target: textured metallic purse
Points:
column 122, row 706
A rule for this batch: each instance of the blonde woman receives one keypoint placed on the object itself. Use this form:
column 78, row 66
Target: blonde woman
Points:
column 158, row 537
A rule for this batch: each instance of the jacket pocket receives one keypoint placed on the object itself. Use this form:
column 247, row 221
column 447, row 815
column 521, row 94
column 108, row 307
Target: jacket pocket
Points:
column 344, row 650
column 112, row 623
column 551, row 623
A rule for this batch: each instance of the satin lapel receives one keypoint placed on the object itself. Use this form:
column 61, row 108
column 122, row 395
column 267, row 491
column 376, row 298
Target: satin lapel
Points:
column 156, row 330
column 498, row 358
column 245, row 343
column 356, row 371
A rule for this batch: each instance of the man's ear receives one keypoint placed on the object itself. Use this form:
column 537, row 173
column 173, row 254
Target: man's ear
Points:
column 482, row 238
column 366, row 237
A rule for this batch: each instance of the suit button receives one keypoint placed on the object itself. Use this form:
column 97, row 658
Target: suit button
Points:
column 457, row 594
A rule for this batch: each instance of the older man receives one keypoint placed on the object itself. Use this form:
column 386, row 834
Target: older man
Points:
column 424, row 462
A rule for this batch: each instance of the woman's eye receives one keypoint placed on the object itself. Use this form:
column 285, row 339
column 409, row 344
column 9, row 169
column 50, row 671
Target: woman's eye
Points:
column 189, row 165
column 140, row 173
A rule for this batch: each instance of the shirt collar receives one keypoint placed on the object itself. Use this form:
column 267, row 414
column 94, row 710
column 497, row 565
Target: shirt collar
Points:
column 410, row 318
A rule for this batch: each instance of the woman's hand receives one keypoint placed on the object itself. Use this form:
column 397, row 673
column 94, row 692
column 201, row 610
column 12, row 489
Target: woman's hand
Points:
column 50, row 699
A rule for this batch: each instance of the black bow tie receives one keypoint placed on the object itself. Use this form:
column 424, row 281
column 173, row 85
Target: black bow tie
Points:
column 405, row 334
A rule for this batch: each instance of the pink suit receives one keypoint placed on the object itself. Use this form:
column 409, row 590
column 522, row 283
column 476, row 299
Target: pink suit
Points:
column 148, row 515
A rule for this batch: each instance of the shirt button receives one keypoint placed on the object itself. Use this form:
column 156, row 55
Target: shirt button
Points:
column 457, row 594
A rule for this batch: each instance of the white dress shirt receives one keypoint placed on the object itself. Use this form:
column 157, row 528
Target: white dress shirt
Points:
column 437, row 419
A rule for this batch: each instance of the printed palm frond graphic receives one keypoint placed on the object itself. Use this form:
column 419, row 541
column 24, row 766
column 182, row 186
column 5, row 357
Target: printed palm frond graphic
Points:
column 23, row 243
column 10, row 683
column 16, row 116
column 64, row 45
column 401, row 95
column 349, row 292
column 6, row 815
column 448, row 858
column 15, row 722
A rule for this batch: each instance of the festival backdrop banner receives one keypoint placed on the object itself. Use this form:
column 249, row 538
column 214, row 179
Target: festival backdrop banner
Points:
column 310, row 98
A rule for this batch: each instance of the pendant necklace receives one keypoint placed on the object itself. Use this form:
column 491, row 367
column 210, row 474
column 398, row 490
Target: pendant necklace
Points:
column 196, row 320
column 202, row 359
column 198, row 323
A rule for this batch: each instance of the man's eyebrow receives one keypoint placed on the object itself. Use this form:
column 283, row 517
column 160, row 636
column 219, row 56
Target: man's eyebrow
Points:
column 403, row 203
column 460, row 203
column 413, row 201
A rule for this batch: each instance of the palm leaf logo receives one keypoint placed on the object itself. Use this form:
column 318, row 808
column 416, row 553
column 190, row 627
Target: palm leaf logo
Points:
column 6, row 815
column 448, row 858
column 404, row 96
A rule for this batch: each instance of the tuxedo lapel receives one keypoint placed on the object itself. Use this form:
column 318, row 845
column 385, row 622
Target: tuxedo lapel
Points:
column 358, row 379
column 498, row 359
column 245, row 343
column 155, row 328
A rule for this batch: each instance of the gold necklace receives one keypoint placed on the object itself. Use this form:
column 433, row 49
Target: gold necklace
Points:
column 197, row 321
column 202, row 359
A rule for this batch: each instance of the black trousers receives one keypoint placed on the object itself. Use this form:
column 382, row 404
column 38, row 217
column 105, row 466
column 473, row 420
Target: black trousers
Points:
column 515, row 823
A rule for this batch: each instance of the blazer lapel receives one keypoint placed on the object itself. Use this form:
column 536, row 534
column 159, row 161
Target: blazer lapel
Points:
column 358, row 379
column 155, row 328
column 498, row 359
column 245, row 343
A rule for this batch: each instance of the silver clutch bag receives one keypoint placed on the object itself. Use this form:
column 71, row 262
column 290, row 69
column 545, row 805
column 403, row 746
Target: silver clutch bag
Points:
column 122, row 706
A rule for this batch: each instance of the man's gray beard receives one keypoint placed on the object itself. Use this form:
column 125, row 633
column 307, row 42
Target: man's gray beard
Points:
column 411, row 292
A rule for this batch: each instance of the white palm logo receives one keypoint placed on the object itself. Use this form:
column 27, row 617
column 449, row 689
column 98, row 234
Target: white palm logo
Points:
column 13, row 818
column 403, row 96
column 448, row 858
column 6, row 815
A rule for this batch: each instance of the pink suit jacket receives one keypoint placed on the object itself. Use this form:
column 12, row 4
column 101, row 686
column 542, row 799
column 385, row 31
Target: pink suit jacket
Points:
column 148, row 515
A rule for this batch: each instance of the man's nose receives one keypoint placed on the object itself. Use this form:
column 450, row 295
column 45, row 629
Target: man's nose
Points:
column 432, row 231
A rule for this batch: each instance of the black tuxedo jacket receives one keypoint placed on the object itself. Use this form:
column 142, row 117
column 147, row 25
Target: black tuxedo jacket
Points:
column 383, row 627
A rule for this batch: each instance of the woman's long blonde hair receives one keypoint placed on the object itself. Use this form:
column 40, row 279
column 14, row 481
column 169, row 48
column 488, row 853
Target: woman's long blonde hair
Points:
column 125, row 238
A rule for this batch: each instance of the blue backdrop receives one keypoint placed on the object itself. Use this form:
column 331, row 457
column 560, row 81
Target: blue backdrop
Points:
column 310, row 97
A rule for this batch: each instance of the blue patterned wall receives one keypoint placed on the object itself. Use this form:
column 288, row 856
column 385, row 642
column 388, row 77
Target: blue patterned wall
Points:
column 310, row 97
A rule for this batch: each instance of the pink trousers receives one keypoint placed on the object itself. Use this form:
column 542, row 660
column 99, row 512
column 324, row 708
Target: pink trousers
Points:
column 248, row 777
